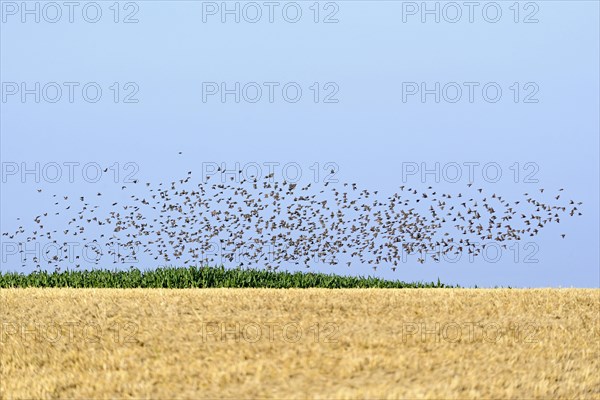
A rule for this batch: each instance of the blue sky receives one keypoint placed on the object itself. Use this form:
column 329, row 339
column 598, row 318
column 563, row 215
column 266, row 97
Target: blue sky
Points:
column 368, row 120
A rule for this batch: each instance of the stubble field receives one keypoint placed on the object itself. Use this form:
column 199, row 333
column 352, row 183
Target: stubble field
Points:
column 300, row 343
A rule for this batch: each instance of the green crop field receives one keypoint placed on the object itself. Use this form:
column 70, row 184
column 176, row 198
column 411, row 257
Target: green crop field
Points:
column 203, row 277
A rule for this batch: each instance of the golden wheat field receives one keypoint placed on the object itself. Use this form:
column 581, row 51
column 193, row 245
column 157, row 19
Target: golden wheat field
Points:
column 300, row 343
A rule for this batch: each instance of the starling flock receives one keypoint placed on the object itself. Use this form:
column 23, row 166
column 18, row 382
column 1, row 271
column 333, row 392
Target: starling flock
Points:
column 270, row 224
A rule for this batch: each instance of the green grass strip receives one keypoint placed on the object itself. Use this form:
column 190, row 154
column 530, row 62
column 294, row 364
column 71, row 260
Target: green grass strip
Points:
column 199, row 277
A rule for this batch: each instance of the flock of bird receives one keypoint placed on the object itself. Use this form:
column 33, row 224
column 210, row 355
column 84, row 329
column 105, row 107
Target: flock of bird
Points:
column 269, row 223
